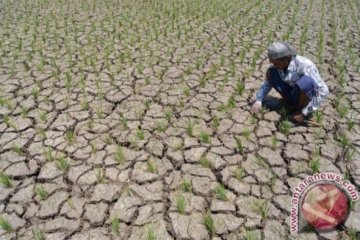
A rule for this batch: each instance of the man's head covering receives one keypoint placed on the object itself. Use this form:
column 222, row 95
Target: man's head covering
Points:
column 280, row 49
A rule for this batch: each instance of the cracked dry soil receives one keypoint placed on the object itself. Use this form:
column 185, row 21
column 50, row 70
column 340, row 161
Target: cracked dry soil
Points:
column 130, row 119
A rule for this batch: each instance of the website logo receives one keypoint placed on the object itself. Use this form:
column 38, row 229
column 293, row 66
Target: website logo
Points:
column 321, row 201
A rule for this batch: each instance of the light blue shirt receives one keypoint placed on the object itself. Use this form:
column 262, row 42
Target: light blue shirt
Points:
column 298, row 67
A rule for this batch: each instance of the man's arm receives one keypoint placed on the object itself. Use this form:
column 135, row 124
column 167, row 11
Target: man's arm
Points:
column 263, row 91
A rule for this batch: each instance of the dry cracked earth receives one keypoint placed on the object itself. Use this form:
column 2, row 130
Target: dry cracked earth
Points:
column 131, row 119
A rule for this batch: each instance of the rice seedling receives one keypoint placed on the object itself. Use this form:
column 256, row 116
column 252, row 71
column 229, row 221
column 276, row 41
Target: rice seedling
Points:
column 204, row 137
column 261, row 162
column 41, row 192
column 160, row 126
column 151, row 234
column 49, row 154
column 190, row 129
column 239, row 173
column 350, row 125
column 351, row 234
column 151, row 166
column 240, row 88
column 38, row 234
column 314, row 165
column 5, row 180
column 261, row 207
column 100, row 175
column 119, row 155
column 231, row 102
column 209, row 224
column 140, row 134
column 344, row 140
column 181, row 204
column 215, row 122
column 239, row 145
column 285, row 127
column 124, row 123
column 250, row 235
column 6, row 225
column 70, row 136
column 17, row 149
column 70, row 203
column 62, row 163
column 185, row 185
column 220, row 193
column 205, row 162
column 115, row 225
column 274, row 142
column 168, row 113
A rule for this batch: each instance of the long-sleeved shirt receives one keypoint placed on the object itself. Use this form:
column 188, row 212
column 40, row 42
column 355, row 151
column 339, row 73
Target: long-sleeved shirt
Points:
column 298, row 67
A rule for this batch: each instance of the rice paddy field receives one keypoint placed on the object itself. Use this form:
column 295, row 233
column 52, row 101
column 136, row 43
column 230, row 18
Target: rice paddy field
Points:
column 131, row 119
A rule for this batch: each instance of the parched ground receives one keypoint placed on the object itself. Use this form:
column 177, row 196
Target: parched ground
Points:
column 131, row 119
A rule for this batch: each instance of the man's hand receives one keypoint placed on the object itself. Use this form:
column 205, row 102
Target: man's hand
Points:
column 298, row 117
column 255, row 108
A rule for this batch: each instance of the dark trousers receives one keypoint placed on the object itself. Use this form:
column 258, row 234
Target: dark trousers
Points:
column 297, row 96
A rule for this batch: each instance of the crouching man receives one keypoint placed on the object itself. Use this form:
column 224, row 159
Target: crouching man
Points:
column 295, row 78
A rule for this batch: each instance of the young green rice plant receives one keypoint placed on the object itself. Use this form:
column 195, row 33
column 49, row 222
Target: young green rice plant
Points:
column 240, row 88
column 285, row 127
column 38, row 234
column 319, row 116
column 185, row 185
column 261, row 162
column 70, row 203
column 351, row 234
column 220, row 193
column 350, row 125
column 140, row 134
column 204, row 137
column 205, row 162
column 124, row 123
column 16, row 149
column 314, row 163
column 8, row 122
column 250, row 235
column 70, row 136
column 40, row 132
column 209, row 224
column 190, row 129
column 115, row 225
column 274, row 142
column 24, row 111
column 62, row 163
column 215, row 122
column 246, row 134
column 168, row 113
column 342, row 110
column 41, row 192
column 231, row 102
column 6, row 225
column 181, row 204
column 48, row 151
column 5, row 180
column 261, row 207
column 151, row 234
column 349, row 154
column 161, row 126
column 239, row 173
column 42, row 115
column 151, row 166
column 119, row 155
column 100, row 175
column 344, row 140
column 239, row 145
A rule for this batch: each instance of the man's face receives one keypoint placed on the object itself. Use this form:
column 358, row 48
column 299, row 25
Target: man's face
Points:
column 281, row 63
